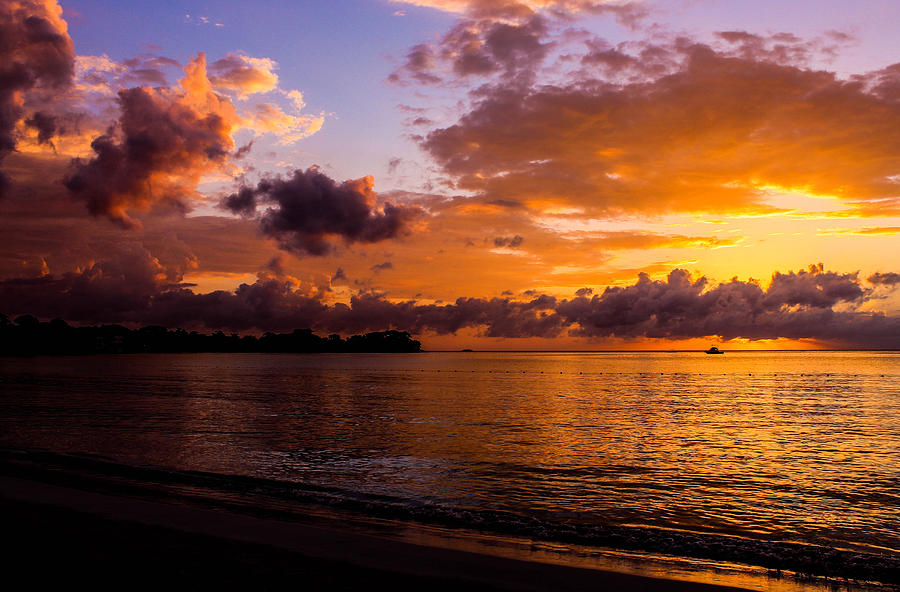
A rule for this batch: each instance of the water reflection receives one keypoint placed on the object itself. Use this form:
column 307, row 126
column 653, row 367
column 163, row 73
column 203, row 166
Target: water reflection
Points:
column 794, row 446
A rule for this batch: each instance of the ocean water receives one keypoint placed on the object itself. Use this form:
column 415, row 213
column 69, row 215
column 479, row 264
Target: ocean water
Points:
column 787, row 460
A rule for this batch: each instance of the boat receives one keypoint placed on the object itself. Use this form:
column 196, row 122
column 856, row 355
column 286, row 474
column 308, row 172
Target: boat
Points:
column 714, row 350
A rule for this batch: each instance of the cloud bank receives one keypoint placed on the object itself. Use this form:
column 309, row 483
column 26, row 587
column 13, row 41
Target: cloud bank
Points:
column 812, row 304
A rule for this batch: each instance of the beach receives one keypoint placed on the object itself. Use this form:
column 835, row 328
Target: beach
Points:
column 72, row 529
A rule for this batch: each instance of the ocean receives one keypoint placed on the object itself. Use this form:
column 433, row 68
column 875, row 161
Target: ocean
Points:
column 781, row 464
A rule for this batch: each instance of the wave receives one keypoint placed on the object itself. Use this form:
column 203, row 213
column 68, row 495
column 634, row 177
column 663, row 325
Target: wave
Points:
column 278, row 497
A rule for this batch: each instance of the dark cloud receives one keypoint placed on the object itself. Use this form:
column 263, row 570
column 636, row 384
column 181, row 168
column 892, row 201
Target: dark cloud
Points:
column 509, row 241
column 419, row 66
column 517, row 47
column 627, row 63
column 267, row 304
column 814, row 288
column 136, row 288
column 36, row 55
column 308, row 211
column 148, row 76
column 114, row 289
column 795, row 306
column 506, row 203
column 164, row 141
column 44, row 231
column 884, row 83
column 243, row 151
column 478, row 48
column 503, row 37
column 497, row 317
column 885, row 279
column 382, row 266
column 783, row 48
column 276, row 265
column 45, row 124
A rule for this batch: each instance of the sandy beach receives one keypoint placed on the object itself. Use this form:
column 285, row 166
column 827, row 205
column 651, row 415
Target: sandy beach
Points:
column 67, row 532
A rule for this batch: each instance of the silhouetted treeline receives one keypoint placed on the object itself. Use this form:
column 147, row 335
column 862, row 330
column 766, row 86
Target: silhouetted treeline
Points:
column 26, row 336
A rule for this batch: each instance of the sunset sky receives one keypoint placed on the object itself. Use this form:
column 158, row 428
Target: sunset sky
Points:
column 494, row 174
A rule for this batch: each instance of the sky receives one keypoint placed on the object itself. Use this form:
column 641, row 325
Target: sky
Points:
column 486, row 174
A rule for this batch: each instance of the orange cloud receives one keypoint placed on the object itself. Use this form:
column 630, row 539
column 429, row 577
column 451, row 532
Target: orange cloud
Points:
column 36, row 62
column 165, row 140
column 870, row 231
column 243, row 74
column 708, row 137
column 270, row 118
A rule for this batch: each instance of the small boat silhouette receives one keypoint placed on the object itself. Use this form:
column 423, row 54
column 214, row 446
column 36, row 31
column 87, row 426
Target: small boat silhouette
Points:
column 714, row 350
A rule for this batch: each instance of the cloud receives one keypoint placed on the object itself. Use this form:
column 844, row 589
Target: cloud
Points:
column 784, row 48
column 478, row 48
column 885, row 279
column 270, row 118
column 869, row 231
column 237, row 75
column 513, row 9
column 309, row 211
column 510, row 38
column 482, row 48
column 509, row 241
column 814, row 287
column 133, row 286
column 718, row 130
column 43, row 231
column 164, row 141
column 112, row 289
column 420, row 64
column 795, row 306
column 136, row 288
column 243, row 75
column 36, row 58
column 45, row 124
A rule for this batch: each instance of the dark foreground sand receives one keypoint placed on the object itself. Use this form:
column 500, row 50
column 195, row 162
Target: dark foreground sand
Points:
column 60, row 535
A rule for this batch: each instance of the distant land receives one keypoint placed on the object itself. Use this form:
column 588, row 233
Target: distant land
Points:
column 27, row 336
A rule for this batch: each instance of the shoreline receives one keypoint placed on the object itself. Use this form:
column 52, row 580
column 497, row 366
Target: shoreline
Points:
column 65, row 534
column 87, row 493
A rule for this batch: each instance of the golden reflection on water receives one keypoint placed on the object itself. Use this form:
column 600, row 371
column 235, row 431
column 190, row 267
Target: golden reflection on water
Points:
column 798, row 446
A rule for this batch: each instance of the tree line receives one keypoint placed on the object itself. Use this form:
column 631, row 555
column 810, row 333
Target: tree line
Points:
column 27, row 336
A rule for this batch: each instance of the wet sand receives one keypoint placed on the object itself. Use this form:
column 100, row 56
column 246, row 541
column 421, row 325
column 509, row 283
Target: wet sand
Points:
column 64, row 533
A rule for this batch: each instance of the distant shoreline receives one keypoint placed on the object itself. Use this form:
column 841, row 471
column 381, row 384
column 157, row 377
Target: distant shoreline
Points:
column 27, row 336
